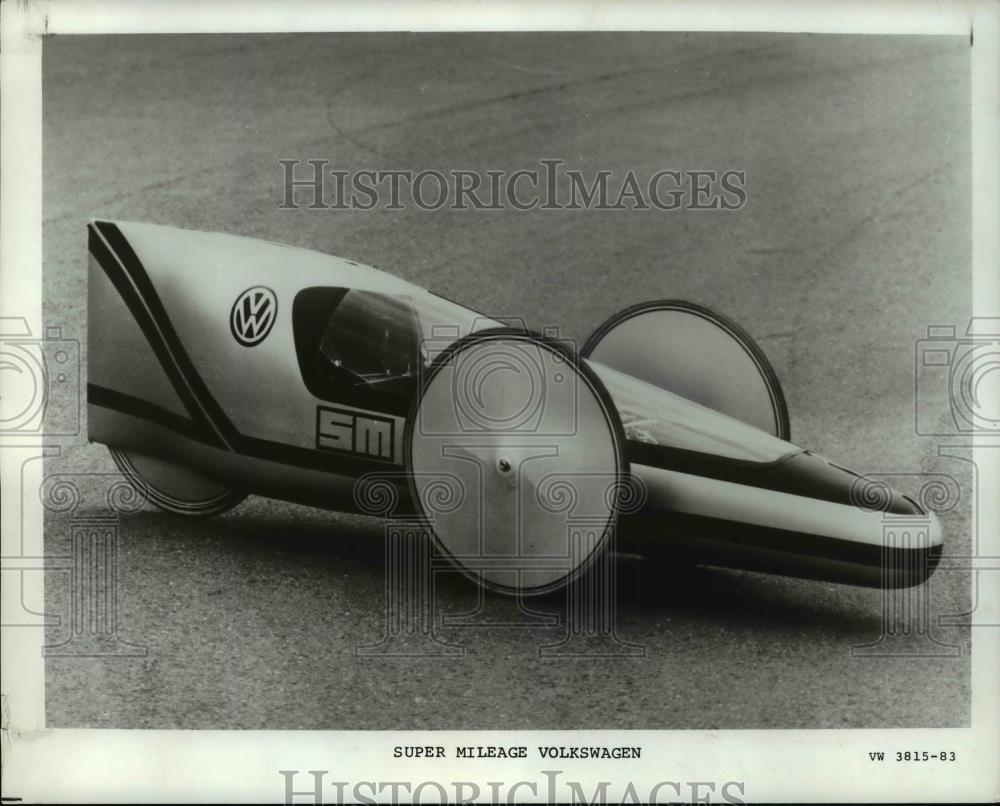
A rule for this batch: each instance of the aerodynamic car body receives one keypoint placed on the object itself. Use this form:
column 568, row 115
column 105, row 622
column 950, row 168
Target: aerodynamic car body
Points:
column 221, row 366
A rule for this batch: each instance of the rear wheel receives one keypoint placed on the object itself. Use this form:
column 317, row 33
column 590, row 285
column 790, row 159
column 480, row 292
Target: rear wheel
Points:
column 175, row 488
column 515, row 456
column 698, row 354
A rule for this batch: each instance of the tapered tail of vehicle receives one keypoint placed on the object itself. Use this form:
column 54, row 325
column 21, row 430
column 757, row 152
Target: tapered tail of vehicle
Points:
column 734, row 525
column 708, row 440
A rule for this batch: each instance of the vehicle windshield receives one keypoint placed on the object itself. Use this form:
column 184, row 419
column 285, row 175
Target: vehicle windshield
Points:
column 367, row 348
column 372, row 338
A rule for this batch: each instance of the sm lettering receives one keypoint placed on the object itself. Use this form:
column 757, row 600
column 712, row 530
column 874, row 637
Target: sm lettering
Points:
column 351, row 432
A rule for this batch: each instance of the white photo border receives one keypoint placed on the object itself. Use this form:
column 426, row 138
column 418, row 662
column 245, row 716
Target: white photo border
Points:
column 241, row 766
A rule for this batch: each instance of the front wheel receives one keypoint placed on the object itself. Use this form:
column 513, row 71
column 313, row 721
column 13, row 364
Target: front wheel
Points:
column 516, row 460
column 175, row 488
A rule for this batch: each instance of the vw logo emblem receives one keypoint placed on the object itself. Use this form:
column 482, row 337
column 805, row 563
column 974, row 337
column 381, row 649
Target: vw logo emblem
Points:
column 253, row 315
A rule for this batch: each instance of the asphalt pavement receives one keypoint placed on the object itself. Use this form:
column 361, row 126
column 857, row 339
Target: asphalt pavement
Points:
column 855, row 236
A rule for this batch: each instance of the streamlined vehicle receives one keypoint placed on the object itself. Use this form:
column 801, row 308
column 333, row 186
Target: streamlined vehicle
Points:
column 221, row 366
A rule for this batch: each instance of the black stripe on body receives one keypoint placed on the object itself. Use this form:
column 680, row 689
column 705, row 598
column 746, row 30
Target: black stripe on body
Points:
column 340, row 463
column 137, row 273
column 135, row 407
column 115, row 272
column 797, row 473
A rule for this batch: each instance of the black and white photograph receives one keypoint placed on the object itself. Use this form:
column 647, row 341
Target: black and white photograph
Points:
column 511, row 406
